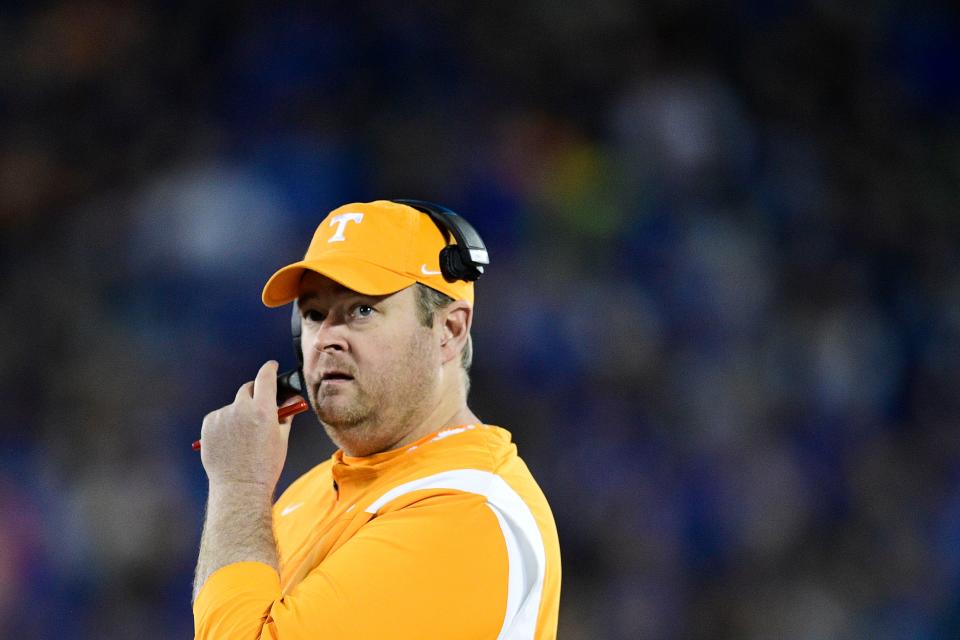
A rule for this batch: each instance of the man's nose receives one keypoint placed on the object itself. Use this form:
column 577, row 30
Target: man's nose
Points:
column 330, row 335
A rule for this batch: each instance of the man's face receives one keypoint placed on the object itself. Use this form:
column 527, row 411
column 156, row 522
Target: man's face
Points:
column 372, row 370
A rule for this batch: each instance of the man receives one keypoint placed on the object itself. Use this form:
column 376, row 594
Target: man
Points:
column 425, row 523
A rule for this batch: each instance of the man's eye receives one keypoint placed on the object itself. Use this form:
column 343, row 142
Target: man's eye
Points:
column 363, row 311
column 313, row 315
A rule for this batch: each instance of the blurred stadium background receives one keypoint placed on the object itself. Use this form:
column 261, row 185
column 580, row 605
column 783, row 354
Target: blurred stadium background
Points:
column 722, row 318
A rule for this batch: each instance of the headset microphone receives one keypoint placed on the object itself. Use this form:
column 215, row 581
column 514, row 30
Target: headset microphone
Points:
column 289, row 384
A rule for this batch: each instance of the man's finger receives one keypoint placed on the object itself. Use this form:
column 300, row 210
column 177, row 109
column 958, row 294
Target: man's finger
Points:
column 265, row 384
column 245, row 391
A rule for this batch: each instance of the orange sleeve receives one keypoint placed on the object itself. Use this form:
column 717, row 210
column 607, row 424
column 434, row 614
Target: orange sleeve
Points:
column 235, row 601
column 436, row 568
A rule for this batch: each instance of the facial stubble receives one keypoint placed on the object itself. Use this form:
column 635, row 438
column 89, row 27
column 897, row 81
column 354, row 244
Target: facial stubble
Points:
column 387, row 402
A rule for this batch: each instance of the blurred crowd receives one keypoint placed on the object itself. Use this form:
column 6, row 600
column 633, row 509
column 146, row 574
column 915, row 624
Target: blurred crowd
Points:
column 722, row 318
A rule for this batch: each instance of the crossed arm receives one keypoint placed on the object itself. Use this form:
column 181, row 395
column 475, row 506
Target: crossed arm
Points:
column 238, row 528
column 436, row 568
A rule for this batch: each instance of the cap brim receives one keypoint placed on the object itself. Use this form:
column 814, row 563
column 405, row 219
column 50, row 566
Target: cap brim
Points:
column 359, row 275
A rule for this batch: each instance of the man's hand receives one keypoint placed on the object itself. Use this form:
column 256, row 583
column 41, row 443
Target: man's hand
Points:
column 243, row 442
column 244, row 448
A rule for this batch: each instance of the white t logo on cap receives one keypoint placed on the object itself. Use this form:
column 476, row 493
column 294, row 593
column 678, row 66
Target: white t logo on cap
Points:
column 341, row 220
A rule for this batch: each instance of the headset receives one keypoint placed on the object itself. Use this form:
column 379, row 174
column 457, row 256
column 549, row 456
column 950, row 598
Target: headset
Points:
column 464, row 260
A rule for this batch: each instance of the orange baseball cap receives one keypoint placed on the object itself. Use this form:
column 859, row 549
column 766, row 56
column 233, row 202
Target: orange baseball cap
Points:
column 374, row 248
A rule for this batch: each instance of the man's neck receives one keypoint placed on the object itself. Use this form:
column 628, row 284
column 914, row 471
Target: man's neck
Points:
column 451, row 411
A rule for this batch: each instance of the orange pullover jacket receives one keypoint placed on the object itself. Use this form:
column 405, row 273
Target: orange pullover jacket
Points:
column 449, row 537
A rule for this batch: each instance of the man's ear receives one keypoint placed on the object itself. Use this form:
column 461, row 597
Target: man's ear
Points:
column 455, row 322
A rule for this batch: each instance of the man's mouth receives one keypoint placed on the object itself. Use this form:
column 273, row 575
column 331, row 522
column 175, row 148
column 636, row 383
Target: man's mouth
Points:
column 335, row 376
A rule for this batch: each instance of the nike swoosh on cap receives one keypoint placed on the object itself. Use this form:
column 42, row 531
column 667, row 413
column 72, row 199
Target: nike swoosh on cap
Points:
column 290, row 509
column 427, row 272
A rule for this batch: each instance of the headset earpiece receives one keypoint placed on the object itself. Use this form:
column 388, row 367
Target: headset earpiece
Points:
column 453, row 266
column 464, row 260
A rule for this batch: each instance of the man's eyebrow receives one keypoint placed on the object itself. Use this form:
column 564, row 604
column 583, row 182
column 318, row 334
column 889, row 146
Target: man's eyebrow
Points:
column 335, row 288
column 306, row 297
